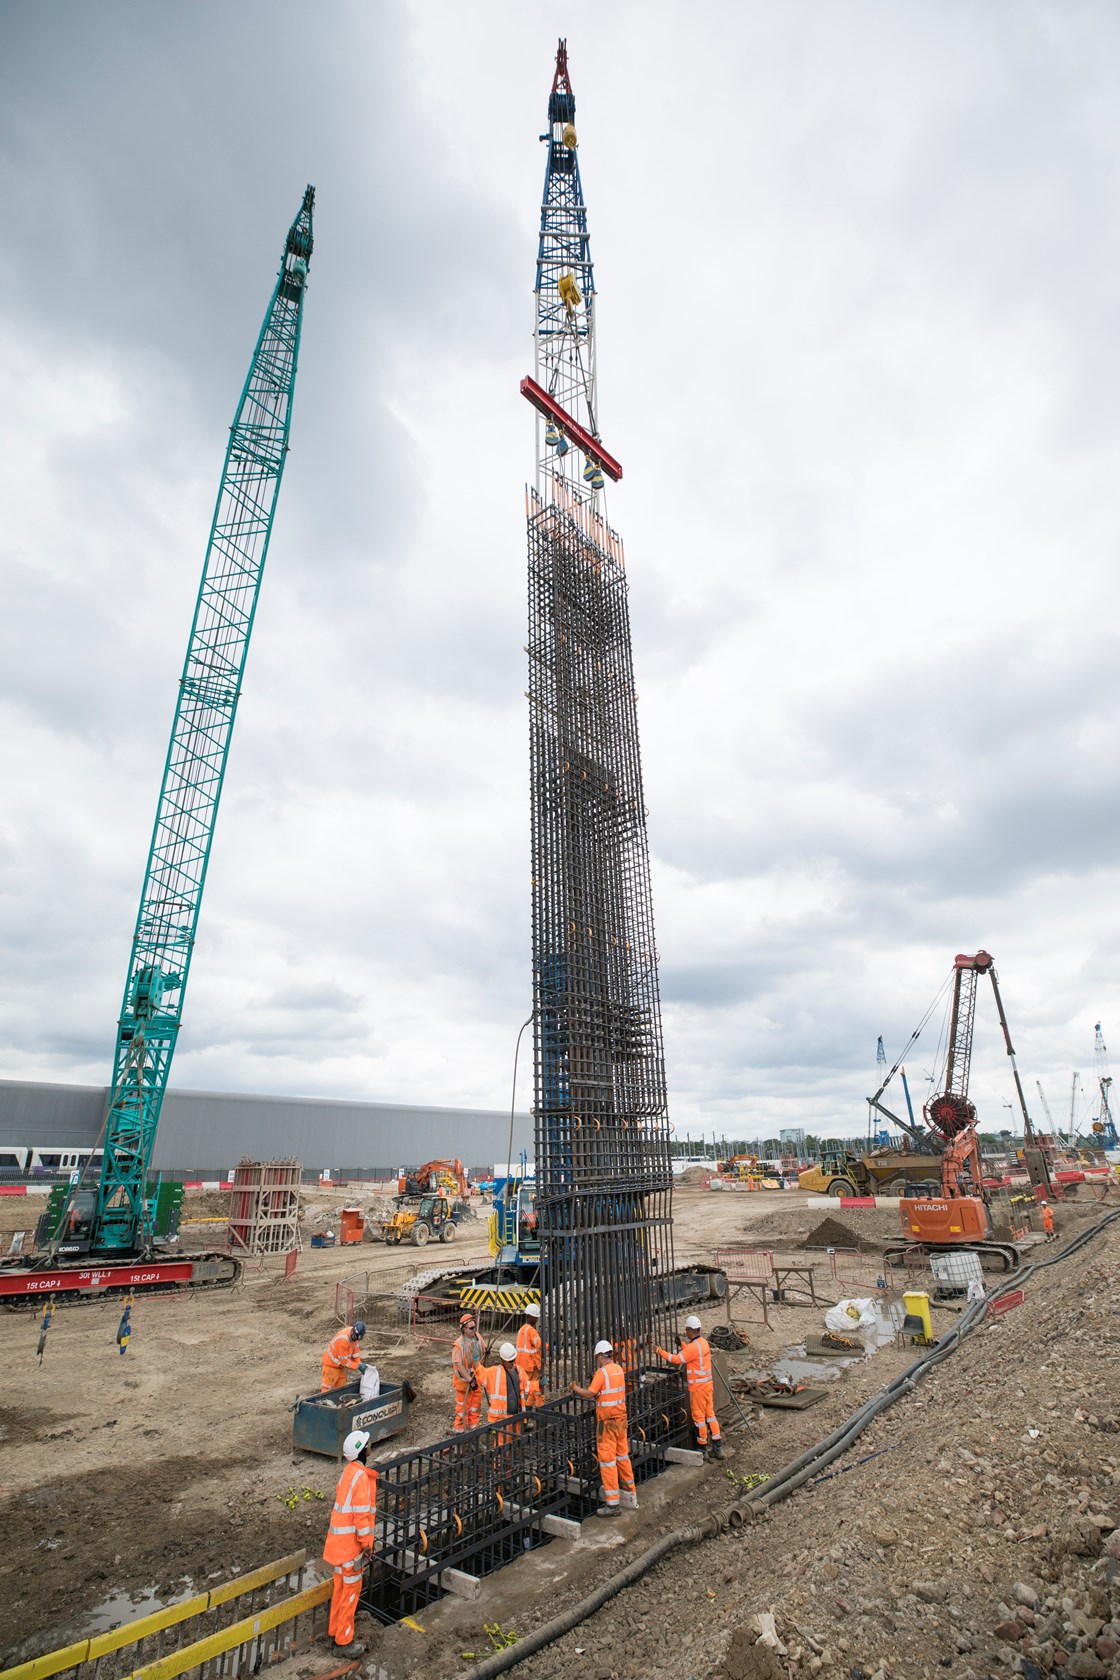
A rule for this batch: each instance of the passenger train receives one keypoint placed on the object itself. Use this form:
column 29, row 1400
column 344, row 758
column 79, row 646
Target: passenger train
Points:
column 41, row 1160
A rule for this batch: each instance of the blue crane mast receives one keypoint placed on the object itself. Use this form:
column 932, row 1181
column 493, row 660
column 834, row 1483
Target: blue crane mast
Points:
column 209, row 690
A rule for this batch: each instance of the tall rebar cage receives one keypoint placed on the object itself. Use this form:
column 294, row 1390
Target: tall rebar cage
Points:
column 604, row 1180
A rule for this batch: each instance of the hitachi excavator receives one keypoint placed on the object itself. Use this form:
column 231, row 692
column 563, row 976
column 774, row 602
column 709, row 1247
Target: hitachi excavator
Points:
column 960, row 1217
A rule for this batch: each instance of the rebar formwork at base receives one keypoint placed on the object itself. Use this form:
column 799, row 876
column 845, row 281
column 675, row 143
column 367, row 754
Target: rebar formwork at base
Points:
column 264, row 1207
column 476, row 1501
column 604, row 1182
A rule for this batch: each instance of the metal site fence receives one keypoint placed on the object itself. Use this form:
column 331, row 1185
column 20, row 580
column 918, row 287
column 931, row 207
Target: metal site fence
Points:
column 476, row 1501
column 804, row 1276
column 390, row 1293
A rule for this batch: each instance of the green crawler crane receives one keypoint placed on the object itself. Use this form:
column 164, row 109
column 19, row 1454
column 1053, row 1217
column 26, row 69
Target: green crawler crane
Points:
column 118, row 1215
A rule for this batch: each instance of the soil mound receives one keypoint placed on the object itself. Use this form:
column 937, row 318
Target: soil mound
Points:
column 830, row 1233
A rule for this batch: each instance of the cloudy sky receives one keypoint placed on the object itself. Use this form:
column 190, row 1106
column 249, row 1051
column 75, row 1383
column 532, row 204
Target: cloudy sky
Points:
column 859, row 354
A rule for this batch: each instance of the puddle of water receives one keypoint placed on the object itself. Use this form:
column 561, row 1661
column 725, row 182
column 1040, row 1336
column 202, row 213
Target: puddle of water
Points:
column 111, row 1613
column 129, row 1607
column 809, row 1370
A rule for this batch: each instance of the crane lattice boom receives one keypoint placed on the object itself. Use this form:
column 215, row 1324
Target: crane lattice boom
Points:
column 209, row 690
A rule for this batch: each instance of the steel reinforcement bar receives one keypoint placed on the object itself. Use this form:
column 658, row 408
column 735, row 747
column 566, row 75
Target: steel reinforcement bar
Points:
column 604, row 1183
column 473, row 1502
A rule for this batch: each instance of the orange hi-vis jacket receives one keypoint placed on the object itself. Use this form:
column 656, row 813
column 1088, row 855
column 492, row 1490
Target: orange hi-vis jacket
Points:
column 466, row 1357
column 352, row 1520
column 608, row 1385
column 696, row 1357
column 503, row 1392
column 529, row 1350
column 343, row 1354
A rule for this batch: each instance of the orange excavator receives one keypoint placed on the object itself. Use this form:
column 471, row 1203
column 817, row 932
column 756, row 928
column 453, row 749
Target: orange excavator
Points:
column 434, row 1177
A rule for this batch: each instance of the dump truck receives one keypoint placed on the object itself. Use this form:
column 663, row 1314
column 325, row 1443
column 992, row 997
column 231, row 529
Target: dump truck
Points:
column 878, row 1172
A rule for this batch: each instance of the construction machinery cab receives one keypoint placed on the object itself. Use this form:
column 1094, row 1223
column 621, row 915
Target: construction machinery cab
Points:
column 435, row 1217
column 514, row 1234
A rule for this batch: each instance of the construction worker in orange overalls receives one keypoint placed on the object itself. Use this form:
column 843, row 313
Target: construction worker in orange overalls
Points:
column 466, row 1356
column 529, row 1357
column 350, row 1539
column 696, row 1357
column 608, row 1390
column 343, row 1357
column 503, row 1387
column 1047, row 1220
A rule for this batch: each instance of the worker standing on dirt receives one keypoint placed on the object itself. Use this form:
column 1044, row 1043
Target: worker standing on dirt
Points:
column 466, row 1357
column 343, row 1357
column 1047, row 1221
column 608, row 1390
column 502, row 1384
column 696, row 1357
column 350, row 1539
column 529, row 1356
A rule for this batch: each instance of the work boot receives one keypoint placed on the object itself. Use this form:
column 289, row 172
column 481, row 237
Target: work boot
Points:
column 354, row 1649
column 609, row 1511
column 717, row 1449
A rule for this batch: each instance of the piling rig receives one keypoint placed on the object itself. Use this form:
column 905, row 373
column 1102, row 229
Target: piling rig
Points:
column 105, row 1239
column 960, row 1216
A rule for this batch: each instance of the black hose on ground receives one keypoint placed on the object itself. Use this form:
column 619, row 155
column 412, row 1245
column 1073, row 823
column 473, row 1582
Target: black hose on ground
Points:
column 778, row 1487
column 568, row 1619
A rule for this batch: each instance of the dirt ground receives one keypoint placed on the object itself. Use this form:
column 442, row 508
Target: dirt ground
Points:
column 172, row 1465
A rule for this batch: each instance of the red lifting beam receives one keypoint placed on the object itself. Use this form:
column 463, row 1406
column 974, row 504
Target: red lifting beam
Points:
column 573, row 431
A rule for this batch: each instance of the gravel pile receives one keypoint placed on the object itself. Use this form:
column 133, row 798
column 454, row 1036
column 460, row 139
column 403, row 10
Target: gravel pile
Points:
column 972, row 1532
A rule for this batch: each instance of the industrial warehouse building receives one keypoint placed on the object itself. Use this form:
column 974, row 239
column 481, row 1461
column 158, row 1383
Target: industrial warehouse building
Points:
column 202, row 1134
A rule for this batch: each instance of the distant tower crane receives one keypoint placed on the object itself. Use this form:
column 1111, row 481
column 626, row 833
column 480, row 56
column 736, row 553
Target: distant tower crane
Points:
column 1073, row 1107
column 113, row 1218
column 1104, row 1127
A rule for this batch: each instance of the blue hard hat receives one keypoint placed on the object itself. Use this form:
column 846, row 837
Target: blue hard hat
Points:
column 358, row 1328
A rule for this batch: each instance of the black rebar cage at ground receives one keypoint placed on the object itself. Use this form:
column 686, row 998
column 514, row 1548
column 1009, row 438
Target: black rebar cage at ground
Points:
column 476, row 1501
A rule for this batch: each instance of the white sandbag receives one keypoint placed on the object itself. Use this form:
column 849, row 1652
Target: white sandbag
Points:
column 371, row 1383
column 850, row 1315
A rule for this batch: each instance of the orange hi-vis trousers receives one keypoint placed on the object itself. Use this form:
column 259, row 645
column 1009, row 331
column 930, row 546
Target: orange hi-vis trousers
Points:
column 468, row 1405
column 344, row 1599
column 702, row 1400
column 613, row 1452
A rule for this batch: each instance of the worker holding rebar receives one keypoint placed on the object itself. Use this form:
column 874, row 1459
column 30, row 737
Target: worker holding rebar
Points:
column 696, row 1357
column 350, row 1539
column 343, row 1357
column 608, row 1390
column 466, row 1357
column 529, row 1356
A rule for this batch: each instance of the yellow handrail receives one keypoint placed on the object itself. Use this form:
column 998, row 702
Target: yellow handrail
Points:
column 88, row 1650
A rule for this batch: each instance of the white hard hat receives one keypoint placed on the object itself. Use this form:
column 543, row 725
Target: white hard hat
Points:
column 532, row 1310
column 355, row 1442
column 507, row 1351
column 692, row 1322
column 603, row 1347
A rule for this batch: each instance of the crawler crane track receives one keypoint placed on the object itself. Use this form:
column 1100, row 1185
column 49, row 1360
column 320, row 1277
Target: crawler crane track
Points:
column 26, row 1284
